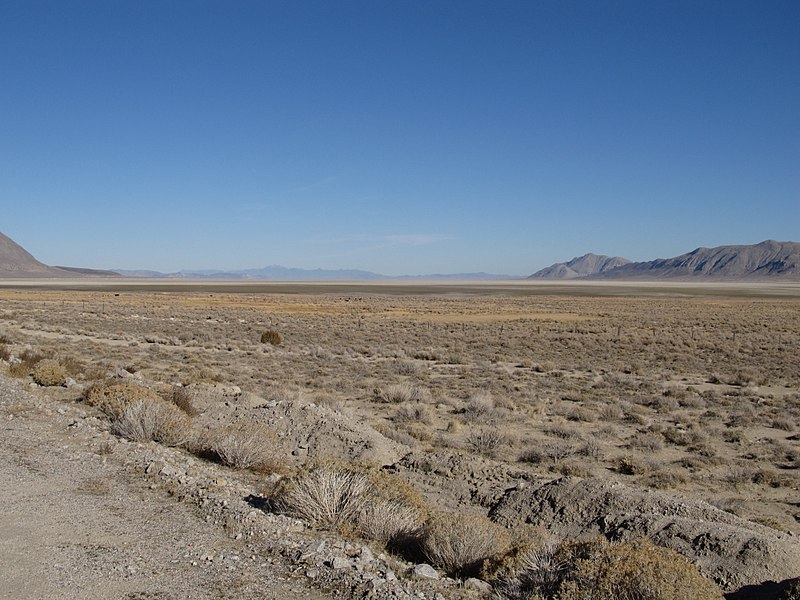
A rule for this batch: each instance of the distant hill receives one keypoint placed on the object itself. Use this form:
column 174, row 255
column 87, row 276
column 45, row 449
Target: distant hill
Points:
column 18, row 263
column 582, row 266
column 769, row 260
column 279, row 273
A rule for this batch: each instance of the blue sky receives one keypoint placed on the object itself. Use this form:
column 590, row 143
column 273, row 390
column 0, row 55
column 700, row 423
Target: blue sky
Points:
column 395, row 136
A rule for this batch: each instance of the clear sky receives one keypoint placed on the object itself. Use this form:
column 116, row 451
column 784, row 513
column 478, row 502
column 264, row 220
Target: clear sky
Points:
column 398, row 136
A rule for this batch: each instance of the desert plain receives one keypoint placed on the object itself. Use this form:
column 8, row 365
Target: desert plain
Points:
column 532, row 413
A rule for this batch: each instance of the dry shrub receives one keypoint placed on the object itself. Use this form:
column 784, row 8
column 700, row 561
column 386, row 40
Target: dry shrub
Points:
column 549, row 451
column 388, row 521
column 599, row 570
column 182, row 399
column 485, row 440
column 480, row 406
column 27, row 362
column 113, row 396
column 246, row 445
column 49, row 372
column 406, row 367
column 401, row 392
column 326, row 497
column 376, row 505
column 271, row 337
column 5, row 353
column 459, row 543
column 153, row 420
column 412, row 414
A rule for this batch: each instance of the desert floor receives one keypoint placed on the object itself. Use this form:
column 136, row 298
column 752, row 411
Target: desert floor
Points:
column 464, row 389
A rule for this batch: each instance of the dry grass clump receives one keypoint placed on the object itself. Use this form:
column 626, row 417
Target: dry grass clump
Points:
column 599, row 570
column 486, row 440
column 326, row 497
column 413, row 414
column 548, row 451
column 49, row 372
column 27, row 362
column 113, row 396
column 246, row 445
column 155, row 420
column 271, row 337
column 388, row 521
column 480, row 406
column 401, row 392
column 381, row 508
column 459, row 543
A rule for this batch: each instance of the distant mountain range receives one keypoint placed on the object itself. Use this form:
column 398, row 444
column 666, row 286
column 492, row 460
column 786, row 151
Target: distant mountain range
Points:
column 279, row 273
column 768, row 260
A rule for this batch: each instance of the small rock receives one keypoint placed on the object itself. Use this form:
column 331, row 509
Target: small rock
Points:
column 477, row 584
column 341, row 563
column 425, row 571
column 366, row 555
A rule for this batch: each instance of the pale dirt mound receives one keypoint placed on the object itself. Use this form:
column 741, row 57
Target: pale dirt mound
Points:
column 732, row 551
column 309, row 431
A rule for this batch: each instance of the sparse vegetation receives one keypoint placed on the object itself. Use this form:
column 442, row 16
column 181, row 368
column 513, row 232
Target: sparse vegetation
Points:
column 152, row 419
column 272, row 337
column 599, row 570
column 49, row 372
column 459, row 543
column 607, row 388
column 246, row 445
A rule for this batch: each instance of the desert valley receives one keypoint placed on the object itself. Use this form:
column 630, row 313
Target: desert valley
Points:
column 515, row 439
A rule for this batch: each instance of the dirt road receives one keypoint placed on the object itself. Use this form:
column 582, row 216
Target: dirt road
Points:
column 74, row 524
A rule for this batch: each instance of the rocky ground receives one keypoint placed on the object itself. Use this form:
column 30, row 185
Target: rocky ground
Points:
column 87, row 515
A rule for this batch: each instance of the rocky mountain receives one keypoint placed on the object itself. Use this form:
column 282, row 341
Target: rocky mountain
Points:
column 18, row 263
column 768, row 260
column 581, row 266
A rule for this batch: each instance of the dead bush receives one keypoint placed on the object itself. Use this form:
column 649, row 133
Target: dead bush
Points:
column 155, row 420
column 49, row 372
column 599, row 570
column 271, row 337
column 27, row 362
column 459, row 543
column 182, row 399
column 400, row 392
column 388, row 521
column 245, row 446
column 485, row 440
column 326, row 497
column 413, row 414
column 113, row 396
column 480, row 406
column 5, row 353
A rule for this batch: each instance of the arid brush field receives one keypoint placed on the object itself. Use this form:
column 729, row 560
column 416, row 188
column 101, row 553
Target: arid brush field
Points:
column 503, row 435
